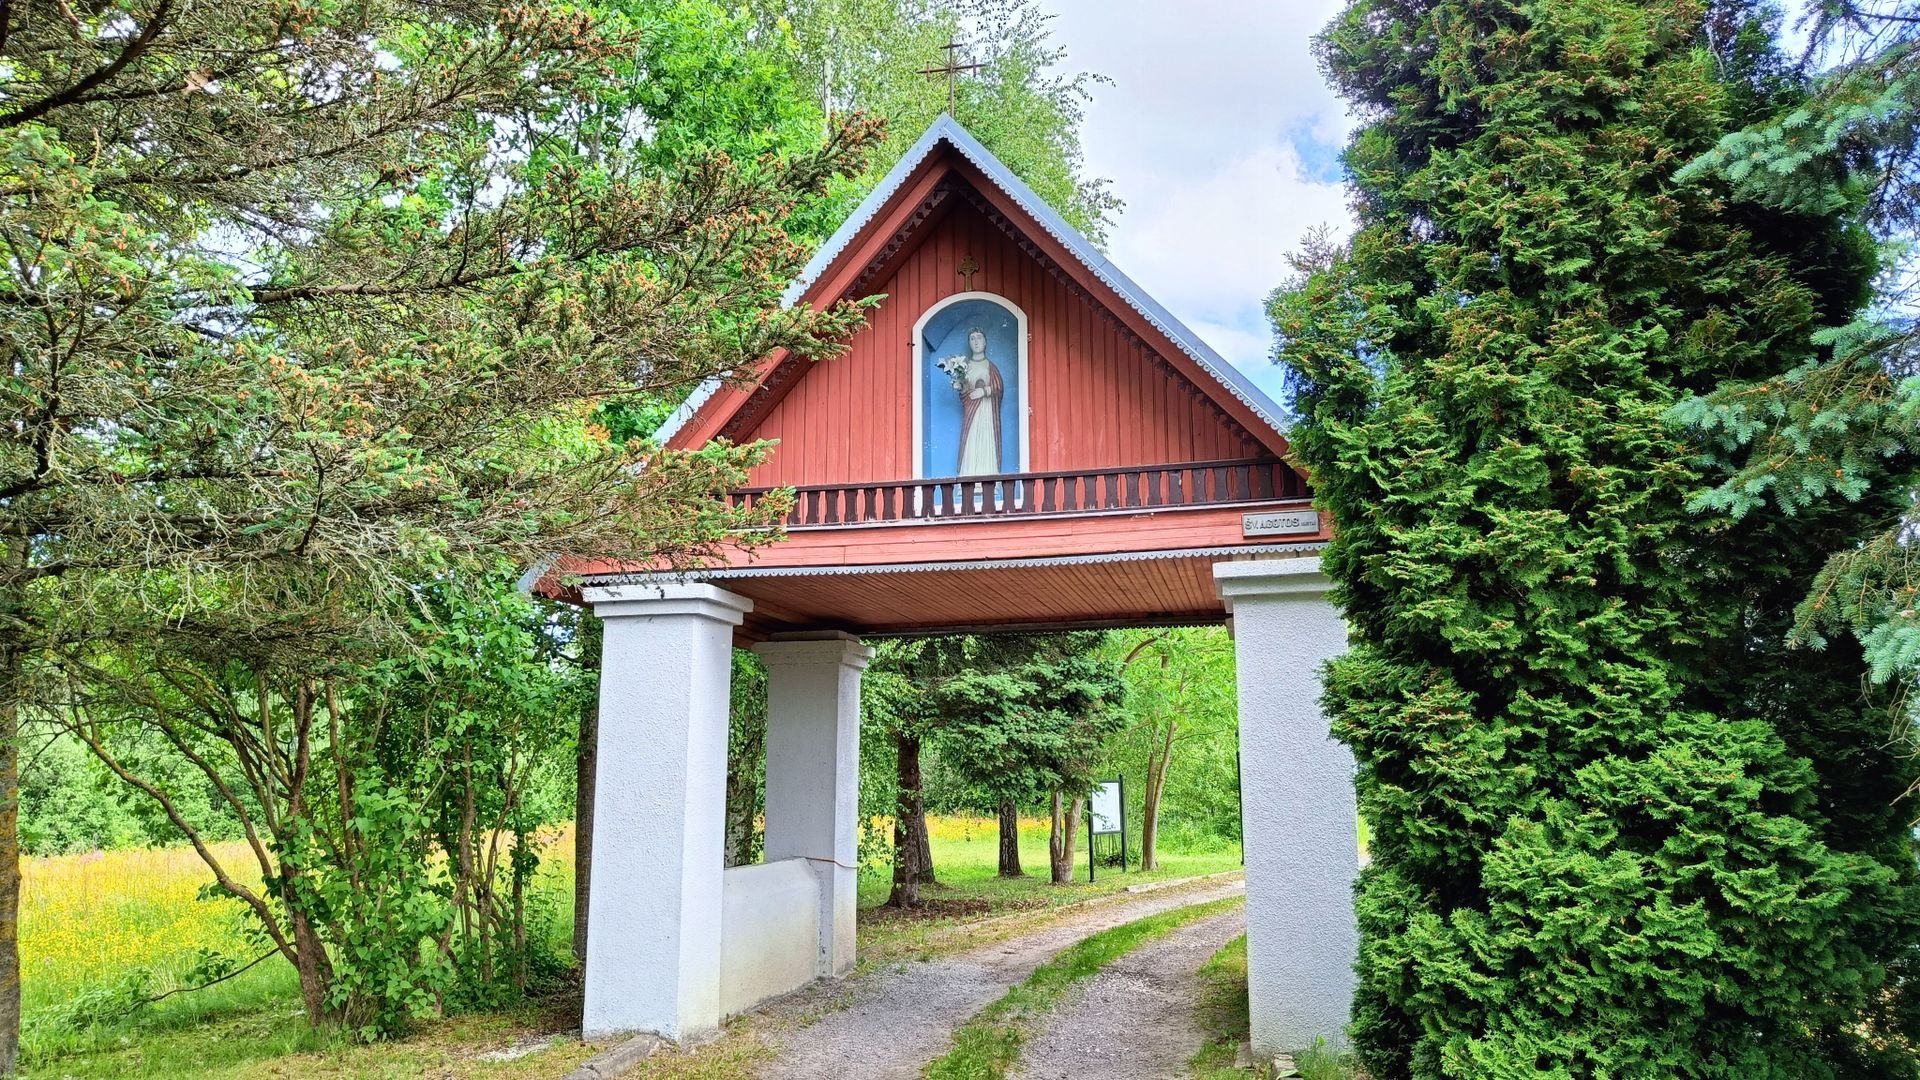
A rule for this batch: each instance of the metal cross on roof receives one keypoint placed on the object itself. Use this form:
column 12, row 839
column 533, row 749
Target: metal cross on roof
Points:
column 952, row 70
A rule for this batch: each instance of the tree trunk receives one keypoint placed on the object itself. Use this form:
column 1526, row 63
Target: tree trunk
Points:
column 585, row 761
column 12, row 661
column 1150, row 806
column 1150, row 824
column 518, row 860
column 909, row 827
column 1010, row 839
column 310, row 961
column 1060, row 842
column 739, row 844
column 743, row 792
column 923, row 839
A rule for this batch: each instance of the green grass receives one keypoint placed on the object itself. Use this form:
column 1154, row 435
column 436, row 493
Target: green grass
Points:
column 90, row 920
column 1319, row 1063
column 966, row 859
column 988, row 1045
column 277, row 1043
column 1221, row 1012
column 215, row 1033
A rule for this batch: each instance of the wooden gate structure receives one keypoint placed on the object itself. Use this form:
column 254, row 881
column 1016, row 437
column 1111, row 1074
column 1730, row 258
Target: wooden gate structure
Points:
column 1018, row 439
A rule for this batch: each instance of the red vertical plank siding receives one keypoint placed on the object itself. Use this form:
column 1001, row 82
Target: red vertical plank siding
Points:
column 1095, row 396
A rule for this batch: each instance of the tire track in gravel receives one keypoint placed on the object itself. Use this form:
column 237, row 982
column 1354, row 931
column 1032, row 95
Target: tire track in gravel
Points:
column 891, row 1022
column 1134, row 1019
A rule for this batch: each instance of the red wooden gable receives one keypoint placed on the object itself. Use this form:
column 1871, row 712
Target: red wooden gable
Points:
column 1148, row 459
column 1108, row 386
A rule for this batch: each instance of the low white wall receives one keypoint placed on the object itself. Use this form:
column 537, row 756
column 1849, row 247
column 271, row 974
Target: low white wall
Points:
column 769, row 932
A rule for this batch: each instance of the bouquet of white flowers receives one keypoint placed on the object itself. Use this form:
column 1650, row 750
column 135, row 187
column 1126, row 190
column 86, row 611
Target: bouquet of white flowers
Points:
column 955, row 368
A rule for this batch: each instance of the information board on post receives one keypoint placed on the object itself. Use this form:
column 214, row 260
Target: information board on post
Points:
column 1106, row 816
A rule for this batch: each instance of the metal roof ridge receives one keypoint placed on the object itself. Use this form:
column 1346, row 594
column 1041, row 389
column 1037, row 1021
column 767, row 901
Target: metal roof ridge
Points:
column 952, row 132
column 1103, row 268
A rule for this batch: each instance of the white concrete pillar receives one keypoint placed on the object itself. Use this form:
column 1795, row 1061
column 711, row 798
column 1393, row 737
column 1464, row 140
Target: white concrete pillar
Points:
column 1297, row 815
column 653, row 923
column 813, row 773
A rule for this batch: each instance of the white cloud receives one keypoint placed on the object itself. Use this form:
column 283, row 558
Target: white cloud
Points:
column 1212, row 244
column 1234, row 340
column 1247, row 350
column 1216, row 131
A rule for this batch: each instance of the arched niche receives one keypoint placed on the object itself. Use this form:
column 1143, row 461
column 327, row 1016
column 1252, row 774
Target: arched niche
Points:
column 948, row 435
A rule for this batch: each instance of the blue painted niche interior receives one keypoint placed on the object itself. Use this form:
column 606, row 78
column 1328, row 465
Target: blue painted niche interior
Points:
column 944, row 335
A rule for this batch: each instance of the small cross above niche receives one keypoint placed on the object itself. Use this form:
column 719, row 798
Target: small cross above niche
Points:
column 966, row 270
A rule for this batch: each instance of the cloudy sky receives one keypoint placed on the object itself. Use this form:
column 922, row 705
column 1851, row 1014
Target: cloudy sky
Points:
column 1220, row 135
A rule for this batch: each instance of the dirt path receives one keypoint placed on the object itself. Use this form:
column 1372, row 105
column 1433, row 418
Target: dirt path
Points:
column 891, row 1022
column 1134, row 1020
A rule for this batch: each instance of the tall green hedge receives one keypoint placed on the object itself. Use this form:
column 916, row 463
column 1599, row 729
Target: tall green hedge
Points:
column 1618, row 828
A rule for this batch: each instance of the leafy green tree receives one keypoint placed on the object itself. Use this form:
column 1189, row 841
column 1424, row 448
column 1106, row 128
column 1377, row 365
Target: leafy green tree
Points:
column 1016, row 716
column 388, row 800
column 305, row 306
column 1180, row 692
column 746, row 759
column 68, row 801
column 868, row 56
column 1616, row 829
column 1825, row 429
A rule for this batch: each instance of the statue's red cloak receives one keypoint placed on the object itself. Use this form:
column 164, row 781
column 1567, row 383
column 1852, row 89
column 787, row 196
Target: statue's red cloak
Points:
column 969, row 405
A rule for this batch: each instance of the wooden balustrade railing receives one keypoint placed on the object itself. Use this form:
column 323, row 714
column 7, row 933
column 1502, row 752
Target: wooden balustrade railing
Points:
column 1144, row 487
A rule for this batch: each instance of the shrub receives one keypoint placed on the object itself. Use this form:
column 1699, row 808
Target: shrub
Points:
column 1616, row 830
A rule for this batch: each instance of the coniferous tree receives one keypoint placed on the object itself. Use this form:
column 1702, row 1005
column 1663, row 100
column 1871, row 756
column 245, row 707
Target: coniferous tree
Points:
column 1820, row 431
column 1026, row 718
column 1615, row 831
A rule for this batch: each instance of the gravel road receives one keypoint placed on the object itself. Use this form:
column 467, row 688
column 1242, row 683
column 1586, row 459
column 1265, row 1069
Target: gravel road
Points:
column 890, row 1022
column 1133, row 1020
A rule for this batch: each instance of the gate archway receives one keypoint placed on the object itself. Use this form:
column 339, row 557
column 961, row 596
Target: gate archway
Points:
column 1120, row 474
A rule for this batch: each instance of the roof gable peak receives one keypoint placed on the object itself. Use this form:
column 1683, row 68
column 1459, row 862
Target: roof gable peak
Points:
column 948, row 132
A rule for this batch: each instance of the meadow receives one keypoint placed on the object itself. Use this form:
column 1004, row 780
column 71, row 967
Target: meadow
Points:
column 101, row 931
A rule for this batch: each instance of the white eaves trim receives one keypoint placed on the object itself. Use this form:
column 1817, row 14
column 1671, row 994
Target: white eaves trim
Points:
column 735, row 573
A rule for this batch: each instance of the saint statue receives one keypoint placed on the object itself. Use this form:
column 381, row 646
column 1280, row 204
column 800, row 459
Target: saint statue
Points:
column 978, row 382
